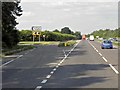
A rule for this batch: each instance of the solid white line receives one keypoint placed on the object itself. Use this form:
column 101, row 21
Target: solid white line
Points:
column 7, row 63
column 44, row 81
column 114, row 69
column 104, row 59
column 48, row 76
column 100, row 54
column 38, row 87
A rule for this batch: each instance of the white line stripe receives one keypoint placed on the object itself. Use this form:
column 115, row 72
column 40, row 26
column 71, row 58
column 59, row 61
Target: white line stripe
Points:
column 100, row 54
column 20, row 56
column 52, row 72
column 57, row 66
column 38, row 87
column 104, row 59
column 48, row 76
column 54, row 69
column 114, row 69
column 44, row 81
column 7, row 63
column 96, row 50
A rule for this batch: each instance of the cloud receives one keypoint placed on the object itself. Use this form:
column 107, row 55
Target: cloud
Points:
column 26, row 14
column 66, row 9
column 59, row 1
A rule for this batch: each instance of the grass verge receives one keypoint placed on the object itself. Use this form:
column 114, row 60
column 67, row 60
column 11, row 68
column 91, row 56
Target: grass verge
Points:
column 15, row 49
column 67, row 43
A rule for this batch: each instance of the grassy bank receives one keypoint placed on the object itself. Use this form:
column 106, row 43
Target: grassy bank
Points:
column 39, row 43
column 67, row 43
column 16, row 49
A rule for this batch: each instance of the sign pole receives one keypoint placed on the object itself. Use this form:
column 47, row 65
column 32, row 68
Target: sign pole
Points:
column 39, row 38
column 33, row 38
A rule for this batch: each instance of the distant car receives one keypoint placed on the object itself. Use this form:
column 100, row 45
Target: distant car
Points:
column 106, row 44
column 91, row 38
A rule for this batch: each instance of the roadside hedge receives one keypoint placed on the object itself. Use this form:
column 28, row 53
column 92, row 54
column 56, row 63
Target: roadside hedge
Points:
column 26, row 35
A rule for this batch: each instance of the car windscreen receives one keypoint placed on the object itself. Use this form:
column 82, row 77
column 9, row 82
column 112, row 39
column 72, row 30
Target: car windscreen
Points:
column 106, row 41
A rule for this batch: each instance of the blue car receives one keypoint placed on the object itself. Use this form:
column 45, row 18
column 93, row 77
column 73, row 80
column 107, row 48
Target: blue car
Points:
column 106, row 44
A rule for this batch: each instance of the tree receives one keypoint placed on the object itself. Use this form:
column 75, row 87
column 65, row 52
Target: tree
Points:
column 66, row 30
column 10, row 11
column 56, row 30
column 78, row 35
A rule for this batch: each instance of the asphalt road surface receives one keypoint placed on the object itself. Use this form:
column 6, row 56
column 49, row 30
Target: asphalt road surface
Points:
column 84, row 65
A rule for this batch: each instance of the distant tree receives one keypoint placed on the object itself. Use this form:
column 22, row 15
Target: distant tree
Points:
column 56, row 30
column 10, row 11
column 66, row 30
column 78, row 35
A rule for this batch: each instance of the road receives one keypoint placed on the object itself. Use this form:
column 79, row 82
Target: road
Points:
column 85, row 65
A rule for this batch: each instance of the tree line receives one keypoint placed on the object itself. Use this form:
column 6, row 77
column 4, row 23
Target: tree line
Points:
column 11, row 36
column 56, row 35
column 107, row 33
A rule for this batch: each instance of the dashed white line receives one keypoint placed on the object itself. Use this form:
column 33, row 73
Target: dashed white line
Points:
column 57, row 66
column 104, row 59
column 100, row 54
column 48, row 76
column 96, row 50
column 54, row 69
column 51, row 72
column 114, row 69
column 44, row 81
column 38, row 87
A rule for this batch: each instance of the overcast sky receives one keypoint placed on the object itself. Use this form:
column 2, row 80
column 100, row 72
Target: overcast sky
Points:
column 85, row 16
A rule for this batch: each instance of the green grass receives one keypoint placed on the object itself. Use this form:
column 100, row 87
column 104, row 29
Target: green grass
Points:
column 16, row 49
column 67, row 43
column 39, row 43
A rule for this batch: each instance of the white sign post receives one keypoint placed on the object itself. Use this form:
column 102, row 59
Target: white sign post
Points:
column 36, row 31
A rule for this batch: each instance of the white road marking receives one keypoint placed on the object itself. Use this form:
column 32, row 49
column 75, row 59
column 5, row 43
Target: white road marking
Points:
column 38, row 87
column 54, row 69
column 100, row 54
column 64, row 53
column 104, row 59
column 48, row 76
column 52, row 72
column 59, row 64
column 20, row 56
column 7, row 63
column 96, row 50
column 44, row 81
column 114, row 69
column 107, row 61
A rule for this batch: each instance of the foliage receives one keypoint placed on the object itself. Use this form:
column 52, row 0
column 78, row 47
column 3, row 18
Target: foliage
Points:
column 10, row 35
column 26, row 35
column 107, row 33
column 67, row 43
column 66, row 30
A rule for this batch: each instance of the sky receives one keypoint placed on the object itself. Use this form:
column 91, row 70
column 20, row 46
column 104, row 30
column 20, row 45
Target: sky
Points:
column 85, row 16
